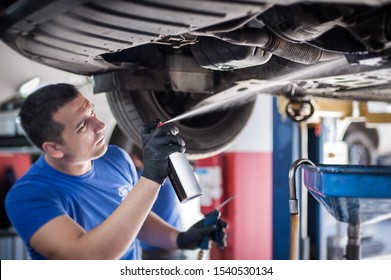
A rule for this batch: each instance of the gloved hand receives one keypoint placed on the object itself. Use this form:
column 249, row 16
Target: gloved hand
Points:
column 158, row 144
column 191, row 239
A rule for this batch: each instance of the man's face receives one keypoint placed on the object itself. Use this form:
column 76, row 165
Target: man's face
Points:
column 82, row 136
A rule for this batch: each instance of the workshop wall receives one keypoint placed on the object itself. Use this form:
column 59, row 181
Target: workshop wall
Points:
column 12, row 167
column 247, row 172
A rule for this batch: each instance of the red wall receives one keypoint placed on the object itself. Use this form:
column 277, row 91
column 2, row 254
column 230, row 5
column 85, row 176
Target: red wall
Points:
column 249, row 175
column 19, row 162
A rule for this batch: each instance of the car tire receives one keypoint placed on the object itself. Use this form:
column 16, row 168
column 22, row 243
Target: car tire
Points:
column 361, row 146
column 205, row 135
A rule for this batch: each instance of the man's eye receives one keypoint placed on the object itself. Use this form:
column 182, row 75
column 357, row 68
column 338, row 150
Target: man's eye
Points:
column 83, row 125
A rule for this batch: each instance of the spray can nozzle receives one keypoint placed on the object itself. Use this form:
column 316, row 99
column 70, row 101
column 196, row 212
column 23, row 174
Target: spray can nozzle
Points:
column 160, row 124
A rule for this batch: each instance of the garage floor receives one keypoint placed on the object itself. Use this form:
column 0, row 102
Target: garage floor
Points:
column 377, row 244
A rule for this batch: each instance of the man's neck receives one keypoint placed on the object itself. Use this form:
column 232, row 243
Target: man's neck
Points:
column 69, row 167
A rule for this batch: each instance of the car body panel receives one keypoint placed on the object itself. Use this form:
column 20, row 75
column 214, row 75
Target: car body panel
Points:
column 72, row 35
column 158, row 59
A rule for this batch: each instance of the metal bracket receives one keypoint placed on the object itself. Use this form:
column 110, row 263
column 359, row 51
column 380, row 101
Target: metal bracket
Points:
column 176, row 41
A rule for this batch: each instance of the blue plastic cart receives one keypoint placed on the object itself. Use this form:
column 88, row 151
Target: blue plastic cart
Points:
column 353, row 194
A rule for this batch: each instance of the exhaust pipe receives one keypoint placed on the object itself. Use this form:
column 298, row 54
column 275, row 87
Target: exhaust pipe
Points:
column 269, row 42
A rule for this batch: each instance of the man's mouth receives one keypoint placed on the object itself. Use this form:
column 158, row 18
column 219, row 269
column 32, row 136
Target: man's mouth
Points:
column 100, row 141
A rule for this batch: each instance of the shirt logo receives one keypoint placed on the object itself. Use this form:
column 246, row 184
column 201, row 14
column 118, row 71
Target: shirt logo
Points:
column 123, row 191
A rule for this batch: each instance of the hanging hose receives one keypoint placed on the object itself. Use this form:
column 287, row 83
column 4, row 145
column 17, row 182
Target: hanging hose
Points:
column 294, row 209
column 294, row 236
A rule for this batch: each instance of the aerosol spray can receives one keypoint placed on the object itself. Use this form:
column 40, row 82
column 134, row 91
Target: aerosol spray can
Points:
column 182, row 176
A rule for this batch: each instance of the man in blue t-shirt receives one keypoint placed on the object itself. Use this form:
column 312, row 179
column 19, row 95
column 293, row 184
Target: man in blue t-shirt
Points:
column 82, row 199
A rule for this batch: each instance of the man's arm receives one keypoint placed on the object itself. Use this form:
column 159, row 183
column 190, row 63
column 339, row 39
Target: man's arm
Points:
column 63, row 238
column 156, row 232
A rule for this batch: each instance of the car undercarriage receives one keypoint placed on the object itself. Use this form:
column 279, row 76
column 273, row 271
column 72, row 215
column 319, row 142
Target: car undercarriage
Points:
column 159, row 59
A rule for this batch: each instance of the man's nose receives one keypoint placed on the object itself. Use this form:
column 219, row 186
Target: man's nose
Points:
column 99, row 126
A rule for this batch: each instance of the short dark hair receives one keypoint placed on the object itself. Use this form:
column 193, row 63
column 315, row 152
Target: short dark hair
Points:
column 36, row 114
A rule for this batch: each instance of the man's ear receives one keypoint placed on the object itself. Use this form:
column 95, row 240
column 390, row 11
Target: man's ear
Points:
column 52, row 149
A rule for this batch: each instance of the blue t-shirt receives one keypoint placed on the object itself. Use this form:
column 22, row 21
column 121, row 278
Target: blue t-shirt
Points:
column 44, row 193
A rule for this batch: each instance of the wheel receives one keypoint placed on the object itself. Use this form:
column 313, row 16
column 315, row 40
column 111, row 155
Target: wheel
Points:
column 361, row 145
column 205, row 135
column 119, row 139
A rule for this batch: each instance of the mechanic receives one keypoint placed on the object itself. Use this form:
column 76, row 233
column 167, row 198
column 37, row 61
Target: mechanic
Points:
column 82, row 198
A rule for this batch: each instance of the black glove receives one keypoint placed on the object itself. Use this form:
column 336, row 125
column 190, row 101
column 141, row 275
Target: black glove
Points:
column 158, row 144
column 191, row 239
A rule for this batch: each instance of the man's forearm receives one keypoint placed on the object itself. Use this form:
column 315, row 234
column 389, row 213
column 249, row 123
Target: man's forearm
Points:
column 156, row 232
column 122, row 227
